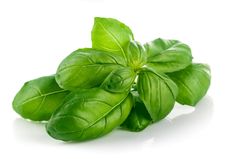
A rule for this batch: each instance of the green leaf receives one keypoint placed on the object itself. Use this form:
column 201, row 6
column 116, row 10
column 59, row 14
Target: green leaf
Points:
column 157, row 92
column 89, row 114
column 119, row 80
column 136, row 55
column 39, row 98
column 138, row 118
column 86, row 68
column 168, row 55
column 110, row 35
column 193, row 83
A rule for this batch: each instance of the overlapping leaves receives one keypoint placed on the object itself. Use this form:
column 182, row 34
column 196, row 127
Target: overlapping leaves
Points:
column 122, row 82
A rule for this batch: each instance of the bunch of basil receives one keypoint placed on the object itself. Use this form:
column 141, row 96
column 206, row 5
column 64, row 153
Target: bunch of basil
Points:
column 117, row 82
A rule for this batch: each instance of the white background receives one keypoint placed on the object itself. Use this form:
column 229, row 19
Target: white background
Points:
column 36, row 35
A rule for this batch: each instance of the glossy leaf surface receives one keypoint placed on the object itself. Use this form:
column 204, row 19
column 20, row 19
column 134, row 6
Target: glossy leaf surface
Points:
column 89, row 114
column 168, row 55
column 138, row 118
column 110, row 35
column 39, row 98
column 120, row 80
column 136, row 55
column 157, row 92
column 193, row 83
column 86, row 68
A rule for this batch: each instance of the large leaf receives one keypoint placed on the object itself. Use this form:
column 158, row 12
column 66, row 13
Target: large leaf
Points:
column 119, row 80
column 193, row 83
column 86, row 68
column 89, row 114
column 138, row 118
column 39, row 98
column 157, row 92
column 168, row 55
column 110, row 35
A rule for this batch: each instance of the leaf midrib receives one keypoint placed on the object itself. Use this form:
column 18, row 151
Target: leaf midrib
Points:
column 97, row 120
column 41, row 95
column 89, row 65
column 114, row 38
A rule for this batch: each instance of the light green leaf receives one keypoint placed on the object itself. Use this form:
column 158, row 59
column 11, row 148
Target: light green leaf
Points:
column 39, row 98
column 86, row 68
column 157, row 92
column 193, row 83
column 110, row 35
column 138, row 118
column 168, row 55
column 136, row 55
column 119, row 80
column 89, row 114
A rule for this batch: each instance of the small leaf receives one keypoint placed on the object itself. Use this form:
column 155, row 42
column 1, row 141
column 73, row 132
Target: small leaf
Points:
column 138, row 118
column 136, row 55
column 157, row 92
column 89, row 114
column 193, row 83
column 119, row 80
column 110, row 35
column 86, row 68
column 39, row 98
column 168, row 55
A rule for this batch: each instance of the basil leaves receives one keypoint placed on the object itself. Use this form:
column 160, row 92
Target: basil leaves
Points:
column 117, row 82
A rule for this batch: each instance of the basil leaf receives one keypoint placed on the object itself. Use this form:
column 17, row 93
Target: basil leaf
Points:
column 158, row 45
column 136, row 55
column 168, row 55
column 193, row 83
column 39, row 98
column 119, row 80
column 138, row 118
column 89, row 114
column 86, row 68
column 110, row 35
column 157, row 92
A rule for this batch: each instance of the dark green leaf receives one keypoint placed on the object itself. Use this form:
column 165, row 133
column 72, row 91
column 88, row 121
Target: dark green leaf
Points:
column 89, row 114
column 110, row 35
column 86, row 68
column 157, row 92
column 193, row 83
column 39, row 98
column 138, row 118
column 168, row 55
